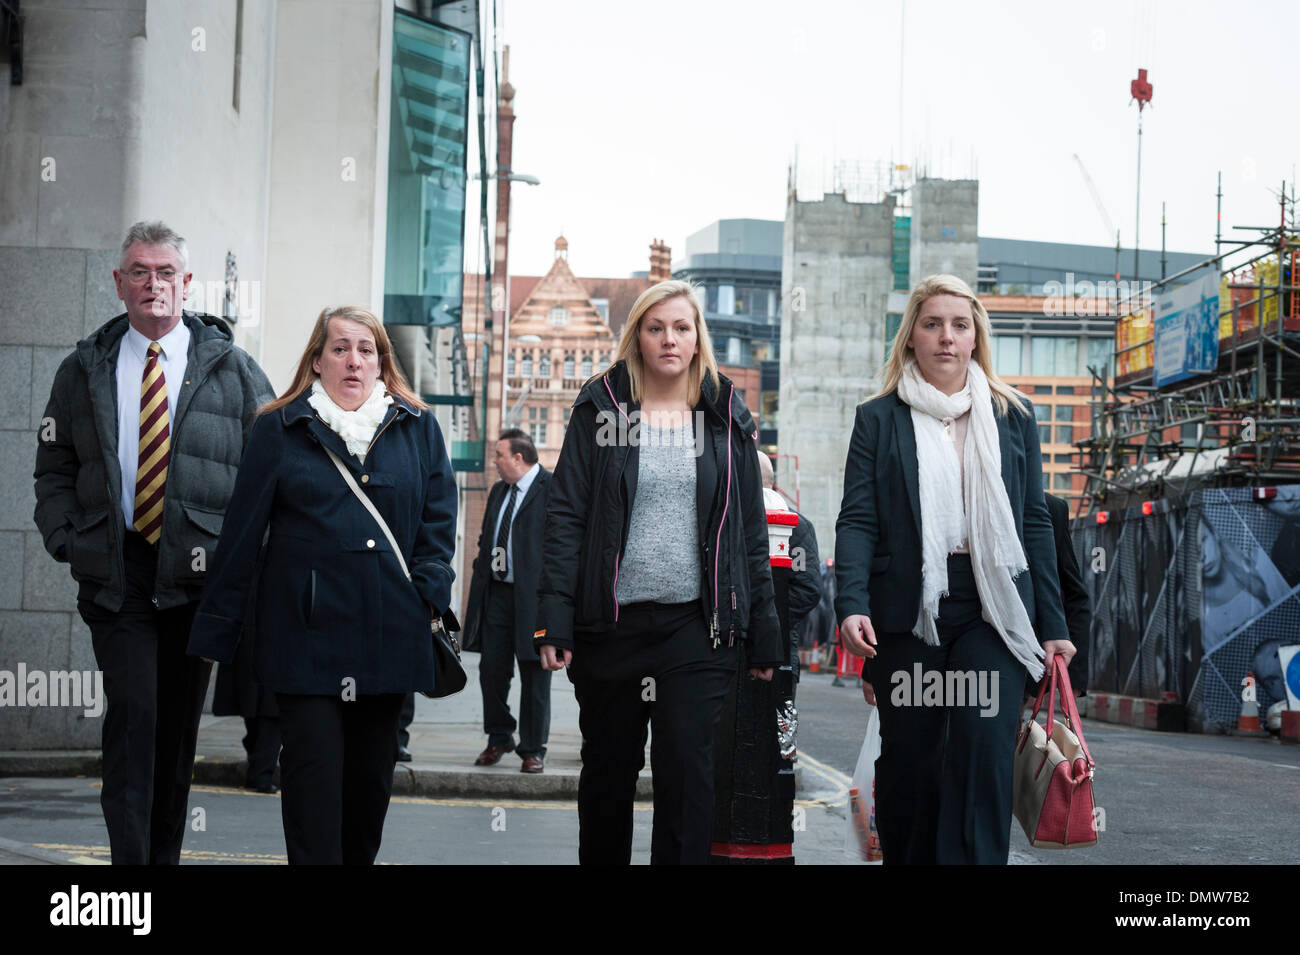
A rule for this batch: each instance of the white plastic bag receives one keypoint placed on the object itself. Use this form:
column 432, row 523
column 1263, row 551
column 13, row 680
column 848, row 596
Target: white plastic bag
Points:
column 861, row 840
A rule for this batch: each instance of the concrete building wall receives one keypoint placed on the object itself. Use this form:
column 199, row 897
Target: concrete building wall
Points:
column 125, row 113
column 328, row 168
column 945, row 229
column 836, row 276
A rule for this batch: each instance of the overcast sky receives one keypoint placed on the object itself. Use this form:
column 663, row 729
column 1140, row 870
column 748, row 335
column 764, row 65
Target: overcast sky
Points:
column 652, row 120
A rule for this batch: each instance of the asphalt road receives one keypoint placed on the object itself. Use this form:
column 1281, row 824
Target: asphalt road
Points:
column 1169, row 798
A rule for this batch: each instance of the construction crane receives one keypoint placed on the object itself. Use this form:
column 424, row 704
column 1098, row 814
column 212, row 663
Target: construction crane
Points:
column 1101, row 208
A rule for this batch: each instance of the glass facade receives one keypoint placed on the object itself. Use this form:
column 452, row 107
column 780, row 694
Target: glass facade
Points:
column 1006, row 354
column 426, row 173
column 1055, row 357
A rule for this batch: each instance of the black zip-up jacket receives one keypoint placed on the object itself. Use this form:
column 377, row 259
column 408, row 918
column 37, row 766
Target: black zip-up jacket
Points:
column 590, row 504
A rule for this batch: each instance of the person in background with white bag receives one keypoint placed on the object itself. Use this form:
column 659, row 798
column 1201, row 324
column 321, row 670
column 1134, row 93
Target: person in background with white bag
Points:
column 344, row 605
column 944, row 564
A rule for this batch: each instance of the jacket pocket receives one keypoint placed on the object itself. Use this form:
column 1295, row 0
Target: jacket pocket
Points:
column 197, row 541
column 88, row 548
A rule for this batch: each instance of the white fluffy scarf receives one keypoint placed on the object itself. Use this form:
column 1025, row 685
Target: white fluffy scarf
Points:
column 356, row 428
column 979, row 513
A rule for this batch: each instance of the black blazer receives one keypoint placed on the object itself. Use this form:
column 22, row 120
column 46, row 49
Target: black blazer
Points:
column 878, row 533
column 1074, row 595
column 526, row 554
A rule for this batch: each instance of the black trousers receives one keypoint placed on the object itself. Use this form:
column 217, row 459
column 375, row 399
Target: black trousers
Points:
column 155, row 696
column 495, row 669
column 944, row 775
column 262, row 744
column 336, row 775
column 405, row 719
column 658, row 666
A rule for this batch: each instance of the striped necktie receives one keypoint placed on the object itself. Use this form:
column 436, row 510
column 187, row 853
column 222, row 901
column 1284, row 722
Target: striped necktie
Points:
column 155, row 448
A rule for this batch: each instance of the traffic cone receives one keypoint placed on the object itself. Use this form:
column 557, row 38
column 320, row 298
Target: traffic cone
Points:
column 1248, row 721
column 815, row 664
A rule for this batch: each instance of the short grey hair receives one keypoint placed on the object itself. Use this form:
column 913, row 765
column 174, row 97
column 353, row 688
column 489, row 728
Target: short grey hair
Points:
column 156, row 233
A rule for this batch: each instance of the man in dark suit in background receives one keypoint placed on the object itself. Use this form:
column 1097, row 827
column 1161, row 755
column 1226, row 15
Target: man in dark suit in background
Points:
column 502, row 608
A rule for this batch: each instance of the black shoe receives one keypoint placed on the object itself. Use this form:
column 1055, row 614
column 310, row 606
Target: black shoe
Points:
column 262, row 786
column 403, row 754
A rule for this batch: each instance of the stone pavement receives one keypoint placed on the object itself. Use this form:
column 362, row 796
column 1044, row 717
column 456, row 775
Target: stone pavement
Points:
column 446, row 736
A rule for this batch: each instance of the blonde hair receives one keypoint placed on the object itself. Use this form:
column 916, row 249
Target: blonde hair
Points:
column 703, row 364
column 394, row 380
column 1004, row 395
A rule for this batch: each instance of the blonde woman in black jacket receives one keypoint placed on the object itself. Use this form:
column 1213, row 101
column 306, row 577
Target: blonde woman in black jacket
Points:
column 945, row 572
column 656, row 576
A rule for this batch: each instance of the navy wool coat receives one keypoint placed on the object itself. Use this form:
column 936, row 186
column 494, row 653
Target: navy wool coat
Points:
column 332, row 603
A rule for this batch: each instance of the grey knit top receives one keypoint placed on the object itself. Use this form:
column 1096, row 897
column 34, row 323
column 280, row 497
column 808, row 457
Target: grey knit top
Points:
column 661, row 560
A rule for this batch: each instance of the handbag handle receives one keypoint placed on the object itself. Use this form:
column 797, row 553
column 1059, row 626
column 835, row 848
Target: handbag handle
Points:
column 1060, row 678
column 369, row 506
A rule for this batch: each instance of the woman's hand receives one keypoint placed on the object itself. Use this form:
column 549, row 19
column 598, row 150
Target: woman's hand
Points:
column 858, row 635
column 554, row 658
column 1064, row 647
column 868, row 693
column 761, row 673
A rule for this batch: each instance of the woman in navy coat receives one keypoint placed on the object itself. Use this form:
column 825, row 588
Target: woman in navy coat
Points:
column 341, row 634
column 945, row 573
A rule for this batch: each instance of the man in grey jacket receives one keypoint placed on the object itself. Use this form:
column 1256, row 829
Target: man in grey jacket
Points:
column 135, row 462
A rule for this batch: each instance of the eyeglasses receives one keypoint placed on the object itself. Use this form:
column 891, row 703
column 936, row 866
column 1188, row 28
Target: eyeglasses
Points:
column 140, row 276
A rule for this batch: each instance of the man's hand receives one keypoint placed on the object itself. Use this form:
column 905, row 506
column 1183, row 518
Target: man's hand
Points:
column 858, row 636
column 553, row 659
column 761, row 673
column 868, row 693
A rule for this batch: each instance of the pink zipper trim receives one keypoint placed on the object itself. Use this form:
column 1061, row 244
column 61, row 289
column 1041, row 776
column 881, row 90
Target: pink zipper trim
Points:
column 717, row 544
column 605, row 379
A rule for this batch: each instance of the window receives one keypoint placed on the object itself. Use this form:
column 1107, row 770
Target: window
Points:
column 892, row 322
column 586, row 365
column 1064, row 434
column 733, row 351
column 742, row 300
column 567, row 412
column 1055, row 357
column 1063, row 458
column 602, row 306
column 1065, row 412
column 1006, row 354
column 1047, row 458
column 538, row 433
column 559, row 315
column 1099, row 352
column 605, row 360
column 760, row 302
column 1047, row 481
column 568, row 364
column 544, row 369
column 510, row 365
column 1042, row 390
column 1044, row 434
column 1043, row 412
column 726, row 300
column 527, row 363
column 1065, row 389
column 711, row 299
column 1062, row 482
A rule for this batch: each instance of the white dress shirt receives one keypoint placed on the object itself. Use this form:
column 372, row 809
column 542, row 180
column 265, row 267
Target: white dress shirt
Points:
column 131, row 358
column 524, row 483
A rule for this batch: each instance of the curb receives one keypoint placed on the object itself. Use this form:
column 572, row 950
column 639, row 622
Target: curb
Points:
column 1142, row 713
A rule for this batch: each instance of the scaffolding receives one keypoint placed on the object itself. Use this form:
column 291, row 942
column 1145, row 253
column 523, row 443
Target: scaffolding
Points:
column 1238, row 426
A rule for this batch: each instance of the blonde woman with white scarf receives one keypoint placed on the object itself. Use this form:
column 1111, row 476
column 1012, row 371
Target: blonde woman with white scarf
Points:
column 946, row 565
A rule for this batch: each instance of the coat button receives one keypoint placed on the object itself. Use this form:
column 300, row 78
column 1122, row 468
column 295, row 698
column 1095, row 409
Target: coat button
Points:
column 365, row 478
column 370, row 543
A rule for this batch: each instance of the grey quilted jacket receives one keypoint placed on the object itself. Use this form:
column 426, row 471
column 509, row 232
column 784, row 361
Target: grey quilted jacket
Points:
column 79, row 480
